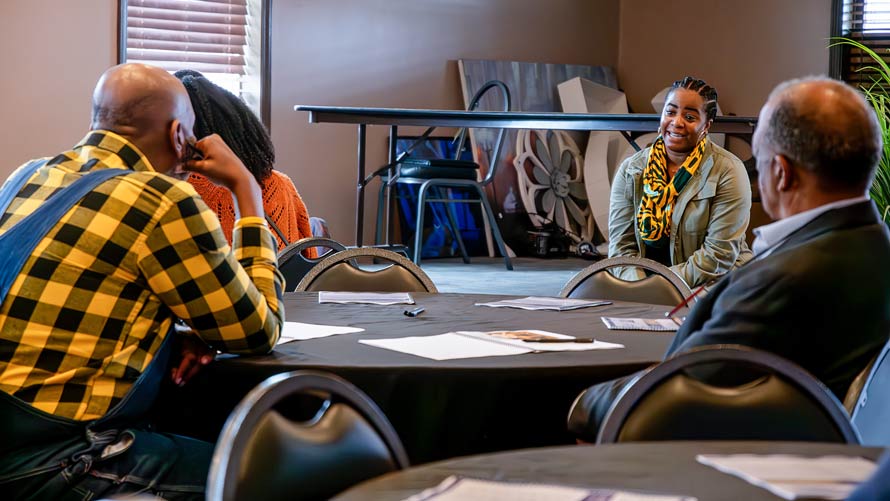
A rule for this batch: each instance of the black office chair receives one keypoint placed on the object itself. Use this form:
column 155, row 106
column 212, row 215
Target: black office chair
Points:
column 851, row 398
column 340, row 272
column 294, row 265
column 431, row 175
column 726, row 392
column 264, row 454
column 663, row 286
column 871, row 412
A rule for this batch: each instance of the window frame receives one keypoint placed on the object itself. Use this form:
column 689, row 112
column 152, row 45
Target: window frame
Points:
column 836, row 54
column 265, row 54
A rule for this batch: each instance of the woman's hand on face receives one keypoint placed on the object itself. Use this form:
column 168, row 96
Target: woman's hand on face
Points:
column 219, row 163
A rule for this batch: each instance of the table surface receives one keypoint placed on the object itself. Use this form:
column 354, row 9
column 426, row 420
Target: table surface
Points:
column 446, row 312
column 441, row 409
column 657, row 468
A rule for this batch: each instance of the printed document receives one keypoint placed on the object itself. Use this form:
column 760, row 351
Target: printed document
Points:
column 793, row 477
column 298, row 331
column 642, row 324
column 379, row 298
column 471, row 344
column 545, row 303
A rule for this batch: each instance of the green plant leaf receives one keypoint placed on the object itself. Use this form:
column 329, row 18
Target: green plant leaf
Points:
column 876, row 93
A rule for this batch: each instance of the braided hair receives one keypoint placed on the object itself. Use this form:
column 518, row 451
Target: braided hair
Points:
column 708, row 93
column 218, row 111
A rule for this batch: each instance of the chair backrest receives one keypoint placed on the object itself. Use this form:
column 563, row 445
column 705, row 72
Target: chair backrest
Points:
column 663, row 286
column 505, row 106
column 337, row 273
column 263, row 454
column 294, row 265
column 727, row 392
column 871, row 413
column 851, row 398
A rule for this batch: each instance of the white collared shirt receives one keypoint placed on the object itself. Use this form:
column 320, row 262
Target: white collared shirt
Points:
column 769, row 236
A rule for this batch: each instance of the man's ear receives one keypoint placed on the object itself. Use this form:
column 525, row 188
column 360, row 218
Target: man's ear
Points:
column 784, row 173
column 177, row 137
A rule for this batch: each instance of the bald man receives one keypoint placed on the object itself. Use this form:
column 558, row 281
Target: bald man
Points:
column 86, row 326
column 818, row 289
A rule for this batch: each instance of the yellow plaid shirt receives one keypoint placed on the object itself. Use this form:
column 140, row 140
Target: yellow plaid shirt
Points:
column 93, row 303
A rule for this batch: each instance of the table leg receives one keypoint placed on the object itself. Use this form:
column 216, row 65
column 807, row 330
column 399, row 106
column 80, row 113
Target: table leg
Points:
column 393, row 138
column 360, row 188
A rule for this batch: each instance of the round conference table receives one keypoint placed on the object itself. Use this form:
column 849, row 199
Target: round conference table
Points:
column 440, row 409
column 667, row 468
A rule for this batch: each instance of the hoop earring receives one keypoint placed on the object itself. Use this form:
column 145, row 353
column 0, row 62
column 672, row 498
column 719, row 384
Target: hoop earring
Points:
column 702, row 136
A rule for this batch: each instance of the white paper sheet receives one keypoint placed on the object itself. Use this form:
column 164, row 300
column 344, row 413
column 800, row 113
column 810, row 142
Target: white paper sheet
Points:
column 545, row 303
column 641, row 324
column 519, row 343
column 379, row 298
column 471, row 344
column 459, row 489
column 298, row 331
column 793, row 477
column 448, row 346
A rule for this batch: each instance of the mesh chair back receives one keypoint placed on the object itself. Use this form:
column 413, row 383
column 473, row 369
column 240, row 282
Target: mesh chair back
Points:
column 294, row 265
column 336, row 273
column 727, row 392
column 663, row 286
column 263, row 454
column 871, row 413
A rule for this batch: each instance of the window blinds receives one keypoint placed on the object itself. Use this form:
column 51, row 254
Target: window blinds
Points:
column 868, row 22
column 205, row 35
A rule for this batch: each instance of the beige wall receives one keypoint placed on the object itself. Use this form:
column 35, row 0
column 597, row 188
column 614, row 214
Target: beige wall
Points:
column 53, row 51
column 741, row 47
column 402, row 53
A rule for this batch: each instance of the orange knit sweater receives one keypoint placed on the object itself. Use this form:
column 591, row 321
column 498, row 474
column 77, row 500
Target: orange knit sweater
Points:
column 281, row 202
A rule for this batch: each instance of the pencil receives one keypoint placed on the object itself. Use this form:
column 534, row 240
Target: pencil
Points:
column 685, row 302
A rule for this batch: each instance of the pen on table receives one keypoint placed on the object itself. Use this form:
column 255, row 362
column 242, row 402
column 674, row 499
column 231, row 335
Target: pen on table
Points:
column 685, row 302
column 414, row 313
column 560, row 340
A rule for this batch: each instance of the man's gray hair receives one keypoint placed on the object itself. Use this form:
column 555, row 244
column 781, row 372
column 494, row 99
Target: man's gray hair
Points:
column 837, row 139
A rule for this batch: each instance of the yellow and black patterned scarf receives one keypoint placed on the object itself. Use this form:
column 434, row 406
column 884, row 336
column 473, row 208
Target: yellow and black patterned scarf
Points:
column 659, row 194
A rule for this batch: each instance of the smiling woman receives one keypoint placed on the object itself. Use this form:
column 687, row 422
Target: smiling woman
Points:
column 684, row 202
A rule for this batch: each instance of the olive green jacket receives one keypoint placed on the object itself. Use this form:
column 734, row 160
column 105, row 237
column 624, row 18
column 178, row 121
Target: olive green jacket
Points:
column 708, row 224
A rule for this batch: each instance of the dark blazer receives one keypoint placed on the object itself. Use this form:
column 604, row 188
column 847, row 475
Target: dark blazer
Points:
column 821, row 298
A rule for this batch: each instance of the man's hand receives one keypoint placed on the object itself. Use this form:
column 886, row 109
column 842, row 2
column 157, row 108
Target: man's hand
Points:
column 220, row 164
column 193, row 354
column 223, row 167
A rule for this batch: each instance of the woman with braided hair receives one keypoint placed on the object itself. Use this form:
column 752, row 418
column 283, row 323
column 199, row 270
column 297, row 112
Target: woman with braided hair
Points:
column 218, row 111
column 684, row 202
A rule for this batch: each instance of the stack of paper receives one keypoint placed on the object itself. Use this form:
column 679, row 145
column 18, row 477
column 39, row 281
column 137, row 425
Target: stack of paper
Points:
column 381, row 298
column 470, row 344
column 298, row 331
column 456, row 488
column 793, row 477
column 545, row 303
column 642, row 324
